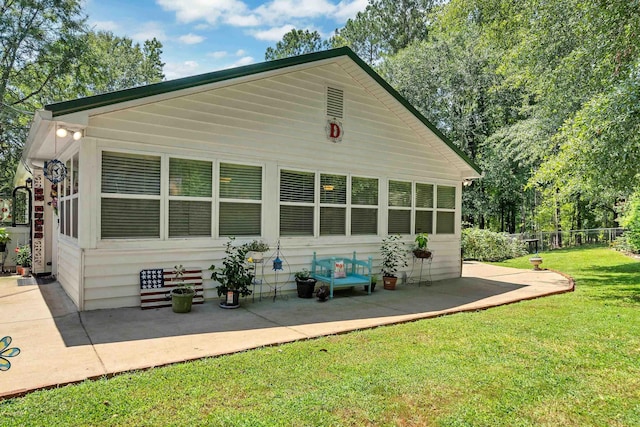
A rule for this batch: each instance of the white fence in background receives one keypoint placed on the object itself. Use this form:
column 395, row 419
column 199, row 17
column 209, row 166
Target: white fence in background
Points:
column 547, row 240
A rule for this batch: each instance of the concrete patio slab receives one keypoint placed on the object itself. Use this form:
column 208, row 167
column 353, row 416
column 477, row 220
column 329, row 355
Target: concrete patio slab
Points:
column 60, row 345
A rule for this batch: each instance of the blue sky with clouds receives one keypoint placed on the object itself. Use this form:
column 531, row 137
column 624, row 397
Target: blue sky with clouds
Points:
column 200, row 36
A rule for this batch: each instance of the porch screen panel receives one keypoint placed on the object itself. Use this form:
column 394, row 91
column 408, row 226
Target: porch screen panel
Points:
column 130, row 218
column 130, row 203
column 240, row 219
column 399, row 207
column 364, row 206
column 424, row 208
column 446, row 197
column 124, row 173
column 189, row 218
column 240, row 212
column 333, row 200
column 297, row 198
column 424, row 222
column 445, row 214
column 190, row 178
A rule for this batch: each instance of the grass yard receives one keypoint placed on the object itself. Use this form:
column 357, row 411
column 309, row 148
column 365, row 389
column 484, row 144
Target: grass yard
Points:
column 566, row 360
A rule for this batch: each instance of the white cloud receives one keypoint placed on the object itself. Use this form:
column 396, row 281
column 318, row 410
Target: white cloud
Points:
column 273, row 13
column 105, row 26
column 348, row 9
column 149, row 30
column 246, row 60
column 241, row 52
column 211, row 11
column 191, row 39
column 175, row 70
column 272, row 34
column 218, row 54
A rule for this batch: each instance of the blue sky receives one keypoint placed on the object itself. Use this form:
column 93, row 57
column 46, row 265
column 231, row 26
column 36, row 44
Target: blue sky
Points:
column 200, row 36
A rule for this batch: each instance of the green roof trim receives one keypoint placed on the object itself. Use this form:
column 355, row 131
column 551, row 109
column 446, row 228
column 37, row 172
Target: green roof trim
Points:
column 110, row 98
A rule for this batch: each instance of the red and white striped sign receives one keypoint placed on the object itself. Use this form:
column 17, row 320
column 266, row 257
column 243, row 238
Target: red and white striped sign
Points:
column 157, row 283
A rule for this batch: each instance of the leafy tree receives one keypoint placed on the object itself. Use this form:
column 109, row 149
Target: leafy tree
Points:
column 296, row 42
column 40, row 41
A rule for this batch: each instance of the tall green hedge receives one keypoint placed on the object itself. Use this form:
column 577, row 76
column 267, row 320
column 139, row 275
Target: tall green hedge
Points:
column 485, row 245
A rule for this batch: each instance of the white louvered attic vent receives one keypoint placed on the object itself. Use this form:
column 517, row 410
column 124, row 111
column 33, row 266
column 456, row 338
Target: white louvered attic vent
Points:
column 335, row 103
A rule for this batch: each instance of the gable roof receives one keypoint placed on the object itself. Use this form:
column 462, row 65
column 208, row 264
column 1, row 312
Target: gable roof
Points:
column 132, row 94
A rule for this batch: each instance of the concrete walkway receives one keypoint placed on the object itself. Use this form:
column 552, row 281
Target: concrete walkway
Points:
column 60, row 345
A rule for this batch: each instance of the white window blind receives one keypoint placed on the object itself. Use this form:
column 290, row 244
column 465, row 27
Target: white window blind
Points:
column 364, row 206
column 399, row 207
column 424, row 208
column 189, row 218
column 240, row 212
column 297, row 198
column 190, row 178
column 136, row 179
column 446, row 201
column 333, row 198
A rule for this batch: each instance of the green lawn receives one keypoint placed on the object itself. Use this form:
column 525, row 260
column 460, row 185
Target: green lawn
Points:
column 566, row 360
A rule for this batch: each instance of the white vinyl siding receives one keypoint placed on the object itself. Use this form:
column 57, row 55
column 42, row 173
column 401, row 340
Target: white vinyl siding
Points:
column 130, row 206
column 240, row 212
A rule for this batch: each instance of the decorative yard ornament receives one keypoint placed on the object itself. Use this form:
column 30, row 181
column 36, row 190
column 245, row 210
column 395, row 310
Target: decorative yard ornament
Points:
column 334, row 130
column 6, row 352
column 55, row 171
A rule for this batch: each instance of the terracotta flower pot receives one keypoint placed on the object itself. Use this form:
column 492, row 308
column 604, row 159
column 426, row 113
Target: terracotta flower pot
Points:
column 390, row 282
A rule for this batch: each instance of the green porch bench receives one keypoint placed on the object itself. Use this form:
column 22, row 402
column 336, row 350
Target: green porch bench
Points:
column 349, row 272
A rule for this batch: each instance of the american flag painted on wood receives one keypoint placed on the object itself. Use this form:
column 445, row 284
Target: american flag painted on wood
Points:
column 156, row 284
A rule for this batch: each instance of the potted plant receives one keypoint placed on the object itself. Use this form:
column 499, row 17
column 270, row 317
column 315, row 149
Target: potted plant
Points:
column 374, row 281
column 182, row 295
column 393, row 258
column 420, row 250
column 256, row 250
column 235, row 276
column 4, row 239
column 23, row 259
column 305, row 284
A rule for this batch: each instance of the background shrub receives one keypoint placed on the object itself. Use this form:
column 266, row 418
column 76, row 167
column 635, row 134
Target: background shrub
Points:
column 485, row 245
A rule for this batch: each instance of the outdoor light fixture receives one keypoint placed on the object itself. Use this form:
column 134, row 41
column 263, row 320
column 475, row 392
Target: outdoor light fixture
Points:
column 63, row 132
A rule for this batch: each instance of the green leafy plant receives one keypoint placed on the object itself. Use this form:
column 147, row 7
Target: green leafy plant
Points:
column 486, row 245
column 421, row 241
column 4, row 235
column 304, row 274
column 181, row 286
column 257, row 246
column 394, row 255
column 23, row 255
column 235, row 274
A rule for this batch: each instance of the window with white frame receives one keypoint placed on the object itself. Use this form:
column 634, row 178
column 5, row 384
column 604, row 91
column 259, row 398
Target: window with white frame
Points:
column 68, row 199
column 297, row 203
column 240, row 212
column 424, row 208
column 399, row 207
column 445, row 212
column 333, row 205
column 190, row 197
column 130, row 196
column 364, row 206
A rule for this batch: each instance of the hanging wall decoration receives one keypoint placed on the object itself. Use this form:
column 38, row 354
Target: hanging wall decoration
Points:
column 55, row 171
